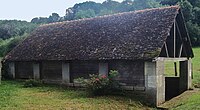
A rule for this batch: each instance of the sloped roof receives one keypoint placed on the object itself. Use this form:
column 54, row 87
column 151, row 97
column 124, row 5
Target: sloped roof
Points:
column 130, row 35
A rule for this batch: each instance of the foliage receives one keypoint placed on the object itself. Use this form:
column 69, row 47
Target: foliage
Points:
column 85, row 14
column 43, row 20
column 11, row 28
column 32, row 83
column 12, row 32
column 91, row 9
column 8, row 44
column 101, row 84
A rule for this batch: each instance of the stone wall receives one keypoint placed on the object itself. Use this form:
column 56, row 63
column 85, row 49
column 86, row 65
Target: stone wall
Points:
column 155, row 82
column 83, row 69
column 23, row 70
column 131, row 73
column 51, row 70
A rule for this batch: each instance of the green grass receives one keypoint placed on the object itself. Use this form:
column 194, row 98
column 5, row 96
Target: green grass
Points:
column 191, row 103
column 169, row 69
column 196, row 66
column 189, row 100
column 13, row 96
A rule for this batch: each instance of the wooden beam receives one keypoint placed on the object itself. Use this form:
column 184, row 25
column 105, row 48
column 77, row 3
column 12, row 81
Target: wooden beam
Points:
column 181, row 50
column 170, row 59
column 166, row 49
column 174, row 38
column 175, row 69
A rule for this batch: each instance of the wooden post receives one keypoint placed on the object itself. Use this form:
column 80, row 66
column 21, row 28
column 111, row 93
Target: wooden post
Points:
column 181, row 50
column 166, row 49
column 175, row 69
column 174, row 38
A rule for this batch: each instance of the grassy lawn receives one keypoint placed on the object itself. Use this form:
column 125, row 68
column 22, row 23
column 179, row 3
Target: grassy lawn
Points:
column 196, row 66
column 189, row 100
column 13, row 96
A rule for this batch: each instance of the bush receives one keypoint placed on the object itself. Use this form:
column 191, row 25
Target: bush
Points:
column 32, row 83
column 101, row 84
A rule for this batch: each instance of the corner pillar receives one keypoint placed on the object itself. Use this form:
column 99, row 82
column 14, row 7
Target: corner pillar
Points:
column 11, row 71
column 36, row 71
column 155, row 82
column 65, row 72
column 103, row 69
column 185, row 75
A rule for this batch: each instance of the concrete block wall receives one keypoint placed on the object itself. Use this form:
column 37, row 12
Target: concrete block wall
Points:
column 11, row 70
column 103, row 69
column 65, row 72
column 36, row 71
column 155, row 82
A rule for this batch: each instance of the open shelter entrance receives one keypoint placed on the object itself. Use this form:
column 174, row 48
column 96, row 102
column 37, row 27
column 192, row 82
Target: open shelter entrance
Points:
column 177, row 64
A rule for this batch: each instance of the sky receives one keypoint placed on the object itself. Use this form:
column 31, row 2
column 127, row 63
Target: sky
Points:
column 28, row 9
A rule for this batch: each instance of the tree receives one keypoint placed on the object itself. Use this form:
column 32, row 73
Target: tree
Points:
column 196, row 11
column 85, row 14
column 143, row 4
column 54, row 18
column 187, row 9
column 194, row 32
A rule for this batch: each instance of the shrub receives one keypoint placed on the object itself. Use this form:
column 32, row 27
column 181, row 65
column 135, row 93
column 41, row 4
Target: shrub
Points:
column 32, row 83
column 101, row 84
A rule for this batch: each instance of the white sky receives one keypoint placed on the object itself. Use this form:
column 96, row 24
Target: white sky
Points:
column 28, row 9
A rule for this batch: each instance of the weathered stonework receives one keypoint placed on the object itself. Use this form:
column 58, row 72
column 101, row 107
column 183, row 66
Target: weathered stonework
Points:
column 154, row 82
column 65, row 72
column 11, row 71
column 103, row 69
column 36, row 71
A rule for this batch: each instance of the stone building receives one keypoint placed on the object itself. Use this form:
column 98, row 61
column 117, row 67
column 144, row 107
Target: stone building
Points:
column 136, row 44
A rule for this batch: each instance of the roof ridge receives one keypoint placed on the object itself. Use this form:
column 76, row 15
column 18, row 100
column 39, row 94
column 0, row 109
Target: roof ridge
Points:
column 159, row 8
column 136, row 11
